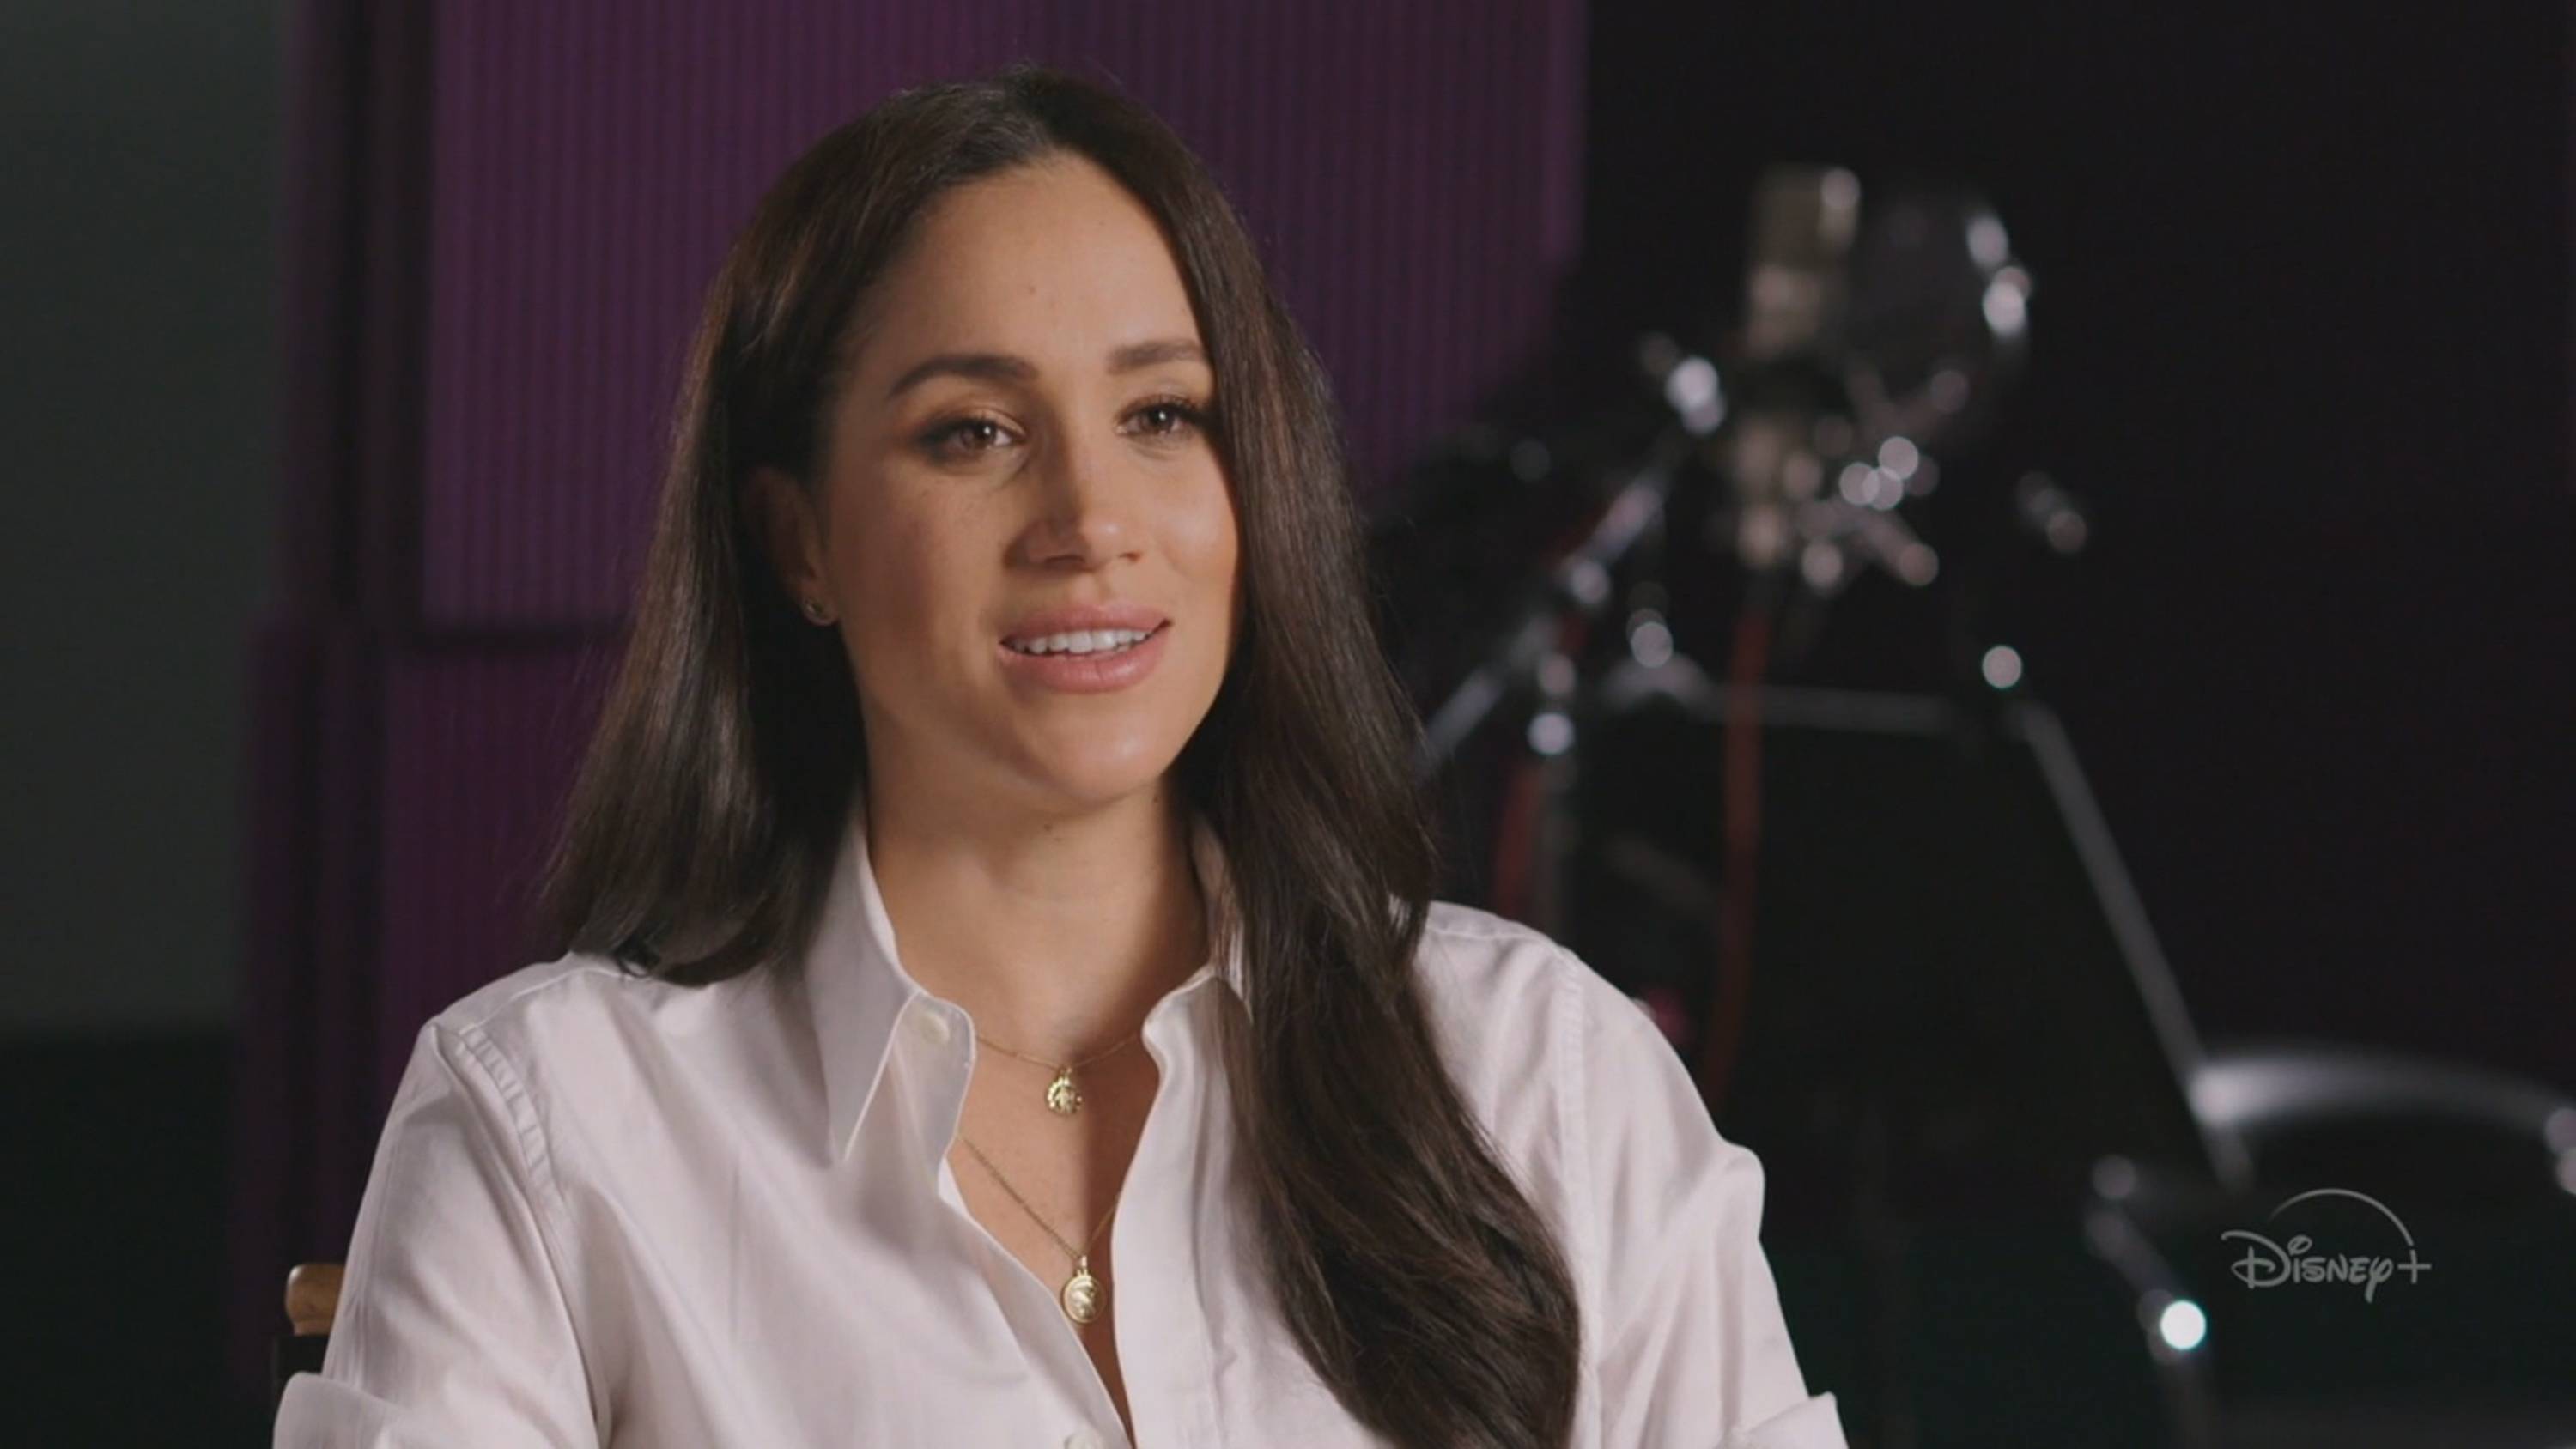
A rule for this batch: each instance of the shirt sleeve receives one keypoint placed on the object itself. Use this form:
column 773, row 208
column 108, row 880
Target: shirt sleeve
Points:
column 1693, row 1348
column 452, row 1326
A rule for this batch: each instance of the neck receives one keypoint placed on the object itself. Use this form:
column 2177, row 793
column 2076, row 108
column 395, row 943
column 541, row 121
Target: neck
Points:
column 1056, row 933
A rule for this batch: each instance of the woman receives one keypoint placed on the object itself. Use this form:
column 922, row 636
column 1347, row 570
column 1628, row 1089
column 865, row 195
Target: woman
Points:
column 1000, row 999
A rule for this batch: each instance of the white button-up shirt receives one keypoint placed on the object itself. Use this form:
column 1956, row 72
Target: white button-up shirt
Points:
column 608, row 1210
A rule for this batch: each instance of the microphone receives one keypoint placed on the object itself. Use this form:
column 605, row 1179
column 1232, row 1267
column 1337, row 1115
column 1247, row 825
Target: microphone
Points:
column 1802, row 493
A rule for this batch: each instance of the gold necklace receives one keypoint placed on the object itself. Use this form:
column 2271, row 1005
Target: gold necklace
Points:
column 1063, row 1098
column 1083, row 1294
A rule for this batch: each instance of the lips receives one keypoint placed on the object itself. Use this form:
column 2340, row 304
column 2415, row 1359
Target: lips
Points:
column 1096, row 673
column 1085, row 616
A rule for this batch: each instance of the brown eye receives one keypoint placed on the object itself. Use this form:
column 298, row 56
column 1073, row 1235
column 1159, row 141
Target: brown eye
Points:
column 1170, row 418
column 950, row 439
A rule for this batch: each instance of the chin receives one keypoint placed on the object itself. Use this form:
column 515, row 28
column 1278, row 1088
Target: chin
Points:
column 1079, row 794
column 1102, row 773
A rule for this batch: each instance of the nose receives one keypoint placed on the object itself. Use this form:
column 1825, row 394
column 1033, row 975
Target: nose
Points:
column 1081, row 504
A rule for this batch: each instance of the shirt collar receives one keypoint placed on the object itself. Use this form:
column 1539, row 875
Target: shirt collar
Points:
column 858, row 990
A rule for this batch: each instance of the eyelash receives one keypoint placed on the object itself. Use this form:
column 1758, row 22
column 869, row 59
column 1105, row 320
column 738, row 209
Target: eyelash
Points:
column 939, row 441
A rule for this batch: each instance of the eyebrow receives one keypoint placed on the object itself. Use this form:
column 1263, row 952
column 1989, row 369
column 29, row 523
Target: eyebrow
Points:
column 1003, row 367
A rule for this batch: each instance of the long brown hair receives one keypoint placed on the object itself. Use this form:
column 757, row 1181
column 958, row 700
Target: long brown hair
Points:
column 1421, row 1284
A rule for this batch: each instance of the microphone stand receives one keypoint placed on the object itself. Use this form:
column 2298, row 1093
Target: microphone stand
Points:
column 1576, row 587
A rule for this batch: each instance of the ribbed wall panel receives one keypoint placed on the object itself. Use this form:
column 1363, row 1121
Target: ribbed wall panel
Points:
column 1407, row 169
column 480, row 746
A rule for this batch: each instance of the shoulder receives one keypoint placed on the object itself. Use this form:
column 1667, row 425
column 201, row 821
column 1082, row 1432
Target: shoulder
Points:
column 584, row 1069
column 583, row 1018
column 571, row 993
column 1538, row 1041
column 578, row 982
column 1578, row 1087
column 1504, row 986
column 574, row 989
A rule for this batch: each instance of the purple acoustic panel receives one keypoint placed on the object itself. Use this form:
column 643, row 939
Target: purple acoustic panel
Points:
column 1411, row 171
column 480, row 746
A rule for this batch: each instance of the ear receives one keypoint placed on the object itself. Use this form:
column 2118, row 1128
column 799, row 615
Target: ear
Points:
column 781, row 518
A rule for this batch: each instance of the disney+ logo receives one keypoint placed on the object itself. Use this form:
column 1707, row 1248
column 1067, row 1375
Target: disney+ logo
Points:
column 2268, row 1264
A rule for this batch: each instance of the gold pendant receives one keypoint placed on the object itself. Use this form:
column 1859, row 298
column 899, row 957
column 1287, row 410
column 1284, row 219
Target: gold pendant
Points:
column 1082, row 1293
column 1063, row 1098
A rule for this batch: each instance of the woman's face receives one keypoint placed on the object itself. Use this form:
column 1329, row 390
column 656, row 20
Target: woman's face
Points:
column 1024, row 432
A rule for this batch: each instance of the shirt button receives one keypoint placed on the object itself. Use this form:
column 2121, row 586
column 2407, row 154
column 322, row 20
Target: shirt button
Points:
column 931, row 1024
column 1082, row 1439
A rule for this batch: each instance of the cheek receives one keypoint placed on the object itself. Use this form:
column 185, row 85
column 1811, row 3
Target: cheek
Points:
column 1205, row 546
column 1206, row 542
column 916, row 581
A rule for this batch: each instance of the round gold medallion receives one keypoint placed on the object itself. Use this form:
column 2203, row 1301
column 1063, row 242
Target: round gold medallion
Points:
column 1063, row 1098
column 1082, row 1296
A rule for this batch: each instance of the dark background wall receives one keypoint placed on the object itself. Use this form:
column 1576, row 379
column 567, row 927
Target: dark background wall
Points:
column 138, row 246
column 140, row 148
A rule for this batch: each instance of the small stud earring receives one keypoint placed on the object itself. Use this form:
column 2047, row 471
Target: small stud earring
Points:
column 814, row 611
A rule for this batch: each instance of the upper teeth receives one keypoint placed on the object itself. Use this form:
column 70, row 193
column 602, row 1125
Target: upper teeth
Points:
column 1081, row 641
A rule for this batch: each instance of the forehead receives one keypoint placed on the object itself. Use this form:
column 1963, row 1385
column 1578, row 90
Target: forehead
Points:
column 1054, row 261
